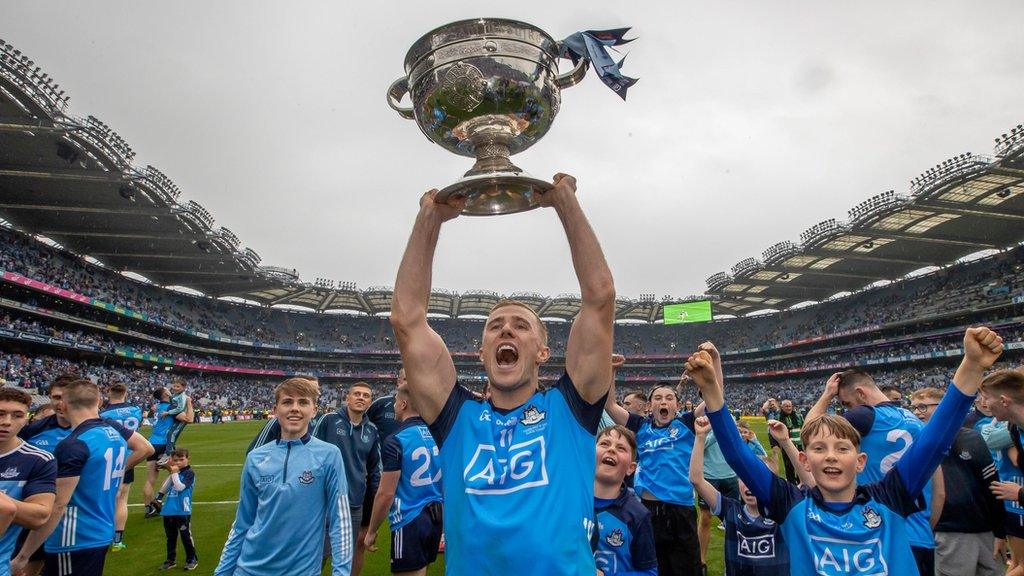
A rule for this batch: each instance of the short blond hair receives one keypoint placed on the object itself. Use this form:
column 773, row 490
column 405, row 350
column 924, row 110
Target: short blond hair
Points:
column 830, row 423
column 81, row 394
column 510, row 302
column 297, row 387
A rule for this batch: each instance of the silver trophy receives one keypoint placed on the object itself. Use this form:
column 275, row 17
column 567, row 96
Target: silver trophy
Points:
column 486, row 88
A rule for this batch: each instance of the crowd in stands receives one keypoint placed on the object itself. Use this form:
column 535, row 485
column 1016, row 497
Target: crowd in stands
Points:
column 986, row 281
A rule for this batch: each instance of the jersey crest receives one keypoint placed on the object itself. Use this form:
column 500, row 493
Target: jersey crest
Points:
column 614, row 538
column 532, row 416
column 872, row 519
column 306, row 477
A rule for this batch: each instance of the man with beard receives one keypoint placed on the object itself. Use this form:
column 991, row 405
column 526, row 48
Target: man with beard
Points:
column 522, row 454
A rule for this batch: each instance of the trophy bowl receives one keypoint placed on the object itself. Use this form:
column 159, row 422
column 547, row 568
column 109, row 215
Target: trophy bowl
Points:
column 486, row 88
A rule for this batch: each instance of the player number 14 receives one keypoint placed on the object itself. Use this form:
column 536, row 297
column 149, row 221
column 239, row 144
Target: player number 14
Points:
column 115, row 466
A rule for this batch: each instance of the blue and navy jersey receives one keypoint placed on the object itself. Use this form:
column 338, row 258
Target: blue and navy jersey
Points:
column 868, row 535
column 625, row 537
column 178, row 404
column 518, row 484
column 95, row 452
column 45, row 433
column 1005, row 466
column 754, row 545
column 161, row 424
column 24, row 472
column 887, row 431
column 412, row 451
column 125, row 414
column 290, row 490
column 977, row 420
column 382, row 413
column 663, row 453
column 179, row 502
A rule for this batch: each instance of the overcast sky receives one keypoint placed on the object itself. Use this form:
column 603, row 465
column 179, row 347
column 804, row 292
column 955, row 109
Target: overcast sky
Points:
column 752, row 121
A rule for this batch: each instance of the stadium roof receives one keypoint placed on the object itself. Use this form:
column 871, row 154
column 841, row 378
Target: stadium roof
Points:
column 71, row 179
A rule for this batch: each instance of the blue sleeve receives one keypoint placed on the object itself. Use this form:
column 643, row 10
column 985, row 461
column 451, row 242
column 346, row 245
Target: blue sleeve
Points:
column 339, row 519
column 71, row 454
column 933, row 441
column 996, row 435
column 757, row 448
column 634, row 422
column 862, row 418
column 179, row 405
column 34, row 427
column 391, row 456
column 245, row 514
column 43, row 479
column 750, row 468
column 642, row 550
column 588, row 415
column 444, row 422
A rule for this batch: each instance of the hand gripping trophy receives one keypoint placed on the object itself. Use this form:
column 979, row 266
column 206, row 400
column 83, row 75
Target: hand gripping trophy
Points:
column 489, row 88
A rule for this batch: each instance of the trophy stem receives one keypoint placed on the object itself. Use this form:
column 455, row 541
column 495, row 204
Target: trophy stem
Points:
column 491, row 136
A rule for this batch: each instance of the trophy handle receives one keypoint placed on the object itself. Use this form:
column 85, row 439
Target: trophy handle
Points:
column 396, row 91
column 574, row 76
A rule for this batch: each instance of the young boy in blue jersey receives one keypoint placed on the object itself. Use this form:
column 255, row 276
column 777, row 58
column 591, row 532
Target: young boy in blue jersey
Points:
column 177, row 510
column 129, row 416
column 90, row 464
column 411, row 488
column 271, row 431
column 290, row 490
column 665, row 439
column 1003, row 396
column 839, row 527
column 28, row 481
column 886, row 431
column 754, row 545
column 625, row 537
column 517, row 468
column 181, row 412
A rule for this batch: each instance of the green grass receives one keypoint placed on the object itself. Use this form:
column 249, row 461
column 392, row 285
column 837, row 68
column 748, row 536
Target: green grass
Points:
column 217, row 454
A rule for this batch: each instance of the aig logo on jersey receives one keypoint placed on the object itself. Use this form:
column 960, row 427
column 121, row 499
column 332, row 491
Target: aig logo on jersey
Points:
column 835, row 557
column 757, row 547
column 493, row 471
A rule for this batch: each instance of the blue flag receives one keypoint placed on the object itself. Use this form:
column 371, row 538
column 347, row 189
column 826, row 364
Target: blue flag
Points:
column 593, row 46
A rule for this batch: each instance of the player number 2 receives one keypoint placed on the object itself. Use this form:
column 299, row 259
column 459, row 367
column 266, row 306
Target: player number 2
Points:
column 896, row 436
column 115, row 466
column 421, row 476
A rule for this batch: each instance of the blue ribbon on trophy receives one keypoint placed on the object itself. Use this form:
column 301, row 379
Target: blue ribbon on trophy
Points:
column 593, row 45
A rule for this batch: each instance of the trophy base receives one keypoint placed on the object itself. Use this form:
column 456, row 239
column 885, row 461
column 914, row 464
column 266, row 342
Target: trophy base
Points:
column 495, row 193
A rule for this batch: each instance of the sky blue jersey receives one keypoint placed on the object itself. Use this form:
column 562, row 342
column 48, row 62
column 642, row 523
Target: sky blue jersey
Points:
column 290, row 490
column 95, row 452
column 997, row 436
column 161, row 424
column 518, row 484
column 45, row 433
column 887, row 431
column 127, row 415
column 868, row 535
column 412, row 451
column 178, row 501
column 663, row 455
column 625, row 536
column 24, row 472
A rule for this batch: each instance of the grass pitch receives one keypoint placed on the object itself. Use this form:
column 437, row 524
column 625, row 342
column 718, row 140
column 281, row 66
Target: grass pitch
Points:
column 217, row 455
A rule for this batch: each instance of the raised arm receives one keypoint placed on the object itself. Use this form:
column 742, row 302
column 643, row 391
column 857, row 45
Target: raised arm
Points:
column 701, row 427
column 781, row 435
column 618, row 414
column 428, row 364
column 821, row 406
column 755, row 473
column 589, row 348
column 982, row 348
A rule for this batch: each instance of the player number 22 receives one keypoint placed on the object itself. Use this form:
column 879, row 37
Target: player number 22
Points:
column 115, row 466
column 421, row 476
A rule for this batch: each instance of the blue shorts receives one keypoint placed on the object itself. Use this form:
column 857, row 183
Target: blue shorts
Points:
column 88, row 562
column 414, row 546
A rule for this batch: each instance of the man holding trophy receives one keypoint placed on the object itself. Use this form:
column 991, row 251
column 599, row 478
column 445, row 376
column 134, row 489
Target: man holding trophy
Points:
column 517, row 467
